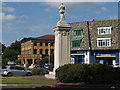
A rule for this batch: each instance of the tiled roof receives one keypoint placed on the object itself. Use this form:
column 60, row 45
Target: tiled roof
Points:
column 45, row 37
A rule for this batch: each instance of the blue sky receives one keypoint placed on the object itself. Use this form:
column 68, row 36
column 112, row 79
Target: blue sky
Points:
column 34, row 19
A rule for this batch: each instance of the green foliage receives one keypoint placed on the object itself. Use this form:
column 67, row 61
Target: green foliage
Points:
column 16, row 46
column 9, row 55
column 38, row 62
column 38, row 71
column 3, row 47
column 25, row 40
column 18, row 61
column 88, row 73
column 45, row 60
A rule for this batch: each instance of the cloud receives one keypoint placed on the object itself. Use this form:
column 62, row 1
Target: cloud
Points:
column 8, row 17
column 12, row 18
column 60, row 1
column 103, row 8
column 97, row 12
column 112, row 17
column 23, row 16
column 47, row 9
column 70, row 16
column 82, row 1
column 8, row 9
column 39, row 27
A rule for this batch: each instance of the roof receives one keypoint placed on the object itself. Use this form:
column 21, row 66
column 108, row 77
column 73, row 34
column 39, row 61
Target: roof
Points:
column 45, row 37
column 94, row 20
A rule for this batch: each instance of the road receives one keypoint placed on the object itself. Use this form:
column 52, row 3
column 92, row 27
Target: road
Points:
column 60, row 87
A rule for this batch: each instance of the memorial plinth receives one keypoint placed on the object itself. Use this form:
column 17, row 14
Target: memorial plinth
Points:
column 62, row 42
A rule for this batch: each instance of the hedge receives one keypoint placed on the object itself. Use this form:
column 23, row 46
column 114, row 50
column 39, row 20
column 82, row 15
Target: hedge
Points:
column 88, row 73
column 38, row 71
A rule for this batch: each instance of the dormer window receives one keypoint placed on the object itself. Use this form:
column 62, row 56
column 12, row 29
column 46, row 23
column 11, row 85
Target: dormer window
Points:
column 77, row 32
column 104, row 30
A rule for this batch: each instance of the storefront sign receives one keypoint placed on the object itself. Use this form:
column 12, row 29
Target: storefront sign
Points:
column 105, row 55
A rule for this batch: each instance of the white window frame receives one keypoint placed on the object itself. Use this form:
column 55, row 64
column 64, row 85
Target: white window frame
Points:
column 105, row 42
column 104, row 28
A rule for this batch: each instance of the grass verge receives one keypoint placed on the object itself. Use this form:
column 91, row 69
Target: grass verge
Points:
column 28, row 80
column 33, row 80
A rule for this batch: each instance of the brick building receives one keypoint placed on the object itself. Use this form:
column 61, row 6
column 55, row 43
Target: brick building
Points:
column 95, row 42
column 36, row 49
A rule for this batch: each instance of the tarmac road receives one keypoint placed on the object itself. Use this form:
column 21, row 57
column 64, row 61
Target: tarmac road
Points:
column 59, row 87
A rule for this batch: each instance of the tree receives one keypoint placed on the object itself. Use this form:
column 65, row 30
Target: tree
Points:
column 16, row 46
column 9, row 55
column 45, row 60
column 24, row 40
column 3, row 47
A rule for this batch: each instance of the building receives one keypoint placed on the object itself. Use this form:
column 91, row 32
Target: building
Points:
column 36, row 49
column 95, row 42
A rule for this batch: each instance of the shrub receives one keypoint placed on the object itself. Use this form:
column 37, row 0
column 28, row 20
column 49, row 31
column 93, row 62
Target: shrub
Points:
column 88, row 73
column 38, row 71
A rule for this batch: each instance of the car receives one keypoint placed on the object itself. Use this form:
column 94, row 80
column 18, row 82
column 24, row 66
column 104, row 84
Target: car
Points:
column 116, row 65
column 15, row 71
column 41, row 66
column 49, row 67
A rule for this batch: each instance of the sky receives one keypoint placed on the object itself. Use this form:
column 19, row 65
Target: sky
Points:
column 35, row 19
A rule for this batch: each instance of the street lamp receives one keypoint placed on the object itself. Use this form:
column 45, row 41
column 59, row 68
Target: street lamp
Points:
column 49, row 54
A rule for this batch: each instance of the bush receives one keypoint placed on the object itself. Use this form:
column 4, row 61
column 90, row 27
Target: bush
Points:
column 88, row 73
column 38, row 71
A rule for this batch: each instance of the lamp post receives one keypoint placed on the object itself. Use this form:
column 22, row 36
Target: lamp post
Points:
column 49, row 54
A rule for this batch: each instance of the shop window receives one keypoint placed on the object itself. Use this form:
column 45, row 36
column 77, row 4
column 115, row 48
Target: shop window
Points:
column 41, row 51
column 35, row 51
column 77, row 32
column 46, row 44
column 41, row 44
column 76, row 43
column 46, row 51
column 104, row 42
column 104, row 30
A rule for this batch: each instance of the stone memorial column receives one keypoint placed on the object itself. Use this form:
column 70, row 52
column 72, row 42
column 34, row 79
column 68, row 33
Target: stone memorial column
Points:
column 62, row 40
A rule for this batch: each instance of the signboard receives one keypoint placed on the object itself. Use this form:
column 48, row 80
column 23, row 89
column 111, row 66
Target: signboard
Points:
column 105, row 55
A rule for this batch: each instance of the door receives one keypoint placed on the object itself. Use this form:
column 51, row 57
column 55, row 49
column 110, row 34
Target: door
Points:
column 81, row 59
column 18, row 71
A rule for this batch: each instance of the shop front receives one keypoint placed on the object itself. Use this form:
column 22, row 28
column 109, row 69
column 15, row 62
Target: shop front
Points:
column 105, row 57
column 108, row 59
column 77, row 57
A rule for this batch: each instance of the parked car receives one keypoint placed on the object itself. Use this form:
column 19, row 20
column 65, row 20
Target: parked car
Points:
column 116, row 65
column 49, row 67
column 15, row 71
column 41, row 66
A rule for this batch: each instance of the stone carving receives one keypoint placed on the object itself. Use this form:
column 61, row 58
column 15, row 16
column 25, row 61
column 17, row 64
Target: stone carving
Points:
column 62, row 21
column 62, row 10
column 64, row 33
